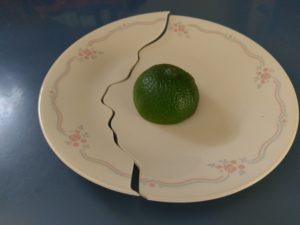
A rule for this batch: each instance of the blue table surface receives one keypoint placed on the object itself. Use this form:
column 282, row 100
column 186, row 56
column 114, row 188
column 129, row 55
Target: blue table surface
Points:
column 36, row 188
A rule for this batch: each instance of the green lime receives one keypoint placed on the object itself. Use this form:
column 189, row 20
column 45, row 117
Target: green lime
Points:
column 165, row 94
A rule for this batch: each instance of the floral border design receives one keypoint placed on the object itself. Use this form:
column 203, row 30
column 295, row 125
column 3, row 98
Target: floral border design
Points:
column 78, row 138
column 226, row 168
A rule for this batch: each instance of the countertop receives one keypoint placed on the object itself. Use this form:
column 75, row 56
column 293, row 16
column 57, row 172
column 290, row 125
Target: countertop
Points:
column 37, row 188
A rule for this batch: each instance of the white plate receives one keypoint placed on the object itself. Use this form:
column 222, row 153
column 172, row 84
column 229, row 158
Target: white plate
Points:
column 244, row 126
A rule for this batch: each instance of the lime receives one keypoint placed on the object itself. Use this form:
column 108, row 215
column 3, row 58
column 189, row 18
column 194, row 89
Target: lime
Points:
column 165, row 94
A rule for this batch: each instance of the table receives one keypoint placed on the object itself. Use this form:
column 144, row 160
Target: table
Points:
column 37, row 188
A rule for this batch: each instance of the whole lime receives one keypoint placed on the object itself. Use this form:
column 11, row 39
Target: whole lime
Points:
column 165, row 94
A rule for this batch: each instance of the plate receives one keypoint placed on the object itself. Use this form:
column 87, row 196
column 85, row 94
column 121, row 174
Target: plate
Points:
column 245, row 123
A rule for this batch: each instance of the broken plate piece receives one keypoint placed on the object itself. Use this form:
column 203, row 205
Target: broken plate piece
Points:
column 244, row 126
column 72, row 117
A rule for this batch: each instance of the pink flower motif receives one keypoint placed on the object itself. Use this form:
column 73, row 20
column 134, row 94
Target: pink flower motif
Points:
column 151, row 184
column 229, row 168
column 263, row 76
column 74, row 137
column 87, row 53
column 180, row 29
column 78, row 138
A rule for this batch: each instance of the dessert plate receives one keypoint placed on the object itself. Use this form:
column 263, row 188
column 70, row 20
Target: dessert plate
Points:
column 245, row 123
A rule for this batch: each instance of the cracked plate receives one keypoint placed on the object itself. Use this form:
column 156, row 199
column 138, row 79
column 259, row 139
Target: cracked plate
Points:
column 244, row 126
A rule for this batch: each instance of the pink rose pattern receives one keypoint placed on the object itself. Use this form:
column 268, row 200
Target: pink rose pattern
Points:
column 230, row 166
column 152, row 184
column 78, row 138
column 263, row 75
column 180, row 29
column 88, row 53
